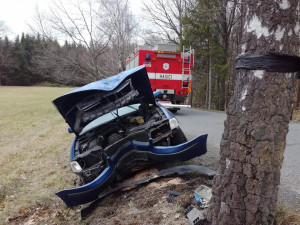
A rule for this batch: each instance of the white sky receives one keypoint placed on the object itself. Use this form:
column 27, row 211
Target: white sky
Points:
column 16, row 14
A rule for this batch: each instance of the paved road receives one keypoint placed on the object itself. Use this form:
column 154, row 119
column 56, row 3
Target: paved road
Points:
column 196, row 122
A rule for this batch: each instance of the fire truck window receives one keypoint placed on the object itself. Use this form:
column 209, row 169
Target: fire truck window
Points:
column 166, row 55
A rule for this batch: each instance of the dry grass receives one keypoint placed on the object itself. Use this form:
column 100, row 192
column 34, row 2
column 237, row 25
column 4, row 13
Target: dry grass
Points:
column 296, row 115
column 285, row 216
column 34, row 149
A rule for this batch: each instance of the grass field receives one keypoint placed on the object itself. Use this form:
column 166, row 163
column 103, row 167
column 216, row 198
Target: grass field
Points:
column 34, row 149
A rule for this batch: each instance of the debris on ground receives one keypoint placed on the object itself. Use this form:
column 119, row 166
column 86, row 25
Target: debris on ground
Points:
column 180, row 170
column 172, row 194
column 147, row 203
column 203, row 195
column 194, row 215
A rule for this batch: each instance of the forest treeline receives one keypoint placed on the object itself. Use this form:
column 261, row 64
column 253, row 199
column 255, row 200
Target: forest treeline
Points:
column 100, row 35
column 24, row 62
column 32, row 60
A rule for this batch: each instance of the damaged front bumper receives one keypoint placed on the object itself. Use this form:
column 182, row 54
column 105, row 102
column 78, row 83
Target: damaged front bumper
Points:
column 130, row 154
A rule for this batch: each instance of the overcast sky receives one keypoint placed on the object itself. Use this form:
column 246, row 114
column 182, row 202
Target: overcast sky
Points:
column 16, row 14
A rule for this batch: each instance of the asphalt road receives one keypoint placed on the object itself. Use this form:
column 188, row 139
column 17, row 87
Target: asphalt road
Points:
column 196, row 122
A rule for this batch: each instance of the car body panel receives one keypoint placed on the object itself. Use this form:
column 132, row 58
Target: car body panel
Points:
column 106, row 88
column 166, row 111
column 89, row 192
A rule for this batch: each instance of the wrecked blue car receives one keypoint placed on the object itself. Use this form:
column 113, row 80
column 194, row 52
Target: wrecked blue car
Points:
column 118, row 125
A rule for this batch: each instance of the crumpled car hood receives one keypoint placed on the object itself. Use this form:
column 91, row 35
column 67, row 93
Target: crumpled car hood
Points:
column 83, row 105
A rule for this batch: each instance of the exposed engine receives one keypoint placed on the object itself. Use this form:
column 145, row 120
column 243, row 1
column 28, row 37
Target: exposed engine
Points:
column 94, row 147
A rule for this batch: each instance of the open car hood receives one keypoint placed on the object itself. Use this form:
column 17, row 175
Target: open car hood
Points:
column 85, row 104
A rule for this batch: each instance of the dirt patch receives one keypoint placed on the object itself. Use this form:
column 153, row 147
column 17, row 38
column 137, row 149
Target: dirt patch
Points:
column 147, row 204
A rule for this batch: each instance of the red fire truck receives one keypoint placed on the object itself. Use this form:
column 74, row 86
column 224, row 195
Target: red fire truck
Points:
column 169, row 71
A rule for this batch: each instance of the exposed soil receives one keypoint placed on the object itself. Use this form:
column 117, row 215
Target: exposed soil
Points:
column 147, row 204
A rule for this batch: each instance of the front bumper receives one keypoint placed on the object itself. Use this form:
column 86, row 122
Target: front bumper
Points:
column 131, row 153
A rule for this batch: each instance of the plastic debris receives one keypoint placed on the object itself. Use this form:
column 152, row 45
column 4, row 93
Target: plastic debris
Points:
column 175, row 193
column 170, row 199
column 194, row 215
column 203, row 195
column 172, row 194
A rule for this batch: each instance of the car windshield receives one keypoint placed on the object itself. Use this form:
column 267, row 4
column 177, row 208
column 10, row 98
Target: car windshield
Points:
column 110, row 116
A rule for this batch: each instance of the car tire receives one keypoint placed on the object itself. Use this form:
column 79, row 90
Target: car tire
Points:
column 178, row 137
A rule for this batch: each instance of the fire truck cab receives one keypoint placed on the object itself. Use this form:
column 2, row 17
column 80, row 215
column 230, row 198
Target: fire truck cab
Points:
column 169, row 71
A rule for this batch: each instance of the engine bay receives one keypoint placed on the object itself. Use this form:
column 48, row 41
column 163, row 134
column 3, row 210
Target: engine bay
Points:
column 94, row 147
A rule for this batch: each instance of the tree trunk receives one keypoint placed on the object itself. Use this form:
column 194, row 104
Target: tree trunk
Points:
column 209, row 84
column 297, row 105
column 207, row 91
column 254, row 139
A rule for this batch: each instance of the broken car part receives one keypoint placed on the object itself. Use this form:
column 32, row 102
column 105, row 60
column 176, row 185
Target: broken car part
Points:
column 118, row 125
column 194, row 215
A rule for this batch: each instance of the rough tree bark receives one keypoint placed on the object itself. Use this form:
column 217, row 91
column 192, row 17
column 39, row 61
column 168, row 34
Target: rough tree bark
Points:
column 297, row 104
column 253, row 143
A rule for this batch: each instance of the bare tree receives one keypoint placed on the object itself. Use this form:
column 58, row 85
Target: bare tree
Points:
column 80, row 24
column 2, row 28
column 227, row 18
column 123, row 26
column 62, row 64
column 104, row 28
column 150, row 39
column 166, row 17
column 253, row 143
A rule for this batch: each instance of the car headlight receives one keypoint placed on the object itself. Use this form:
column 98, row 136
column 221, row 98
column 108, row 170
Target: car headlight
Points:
column 75, row 167
column 173, row 123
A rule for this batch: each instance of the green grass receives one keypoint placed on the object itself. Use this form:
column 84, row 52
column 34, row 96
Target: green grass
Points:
column 34, row 149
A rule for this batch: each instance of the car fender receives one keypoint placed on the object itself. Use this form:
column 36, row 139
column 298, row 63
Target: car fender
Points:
column 130, row 152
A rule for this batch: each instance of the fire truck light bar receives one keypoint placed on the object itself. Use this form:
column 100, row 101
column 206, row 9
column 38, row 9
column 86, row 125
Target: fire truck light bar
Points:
column 166, row 52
